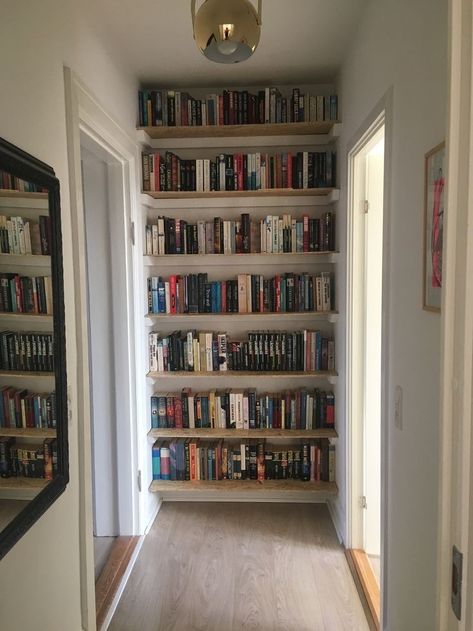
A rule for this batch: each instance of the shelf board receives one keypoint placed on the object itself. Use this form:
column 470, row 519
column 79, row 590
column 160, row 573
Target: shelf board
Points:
column 21, row 488
column 331, row 316
column 241, row 433
column 240, row 131
column 27, row 432
column 25, row 373
column 269, row 192
column 330, row 375
column 31, row 260
column 26, row 317
column 235, row 486
column 22, row 194
column 254, row 258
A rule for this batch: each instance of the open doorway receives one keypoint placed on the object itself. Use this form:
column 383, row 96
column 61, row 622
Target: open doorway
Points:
column 110, row 368
column 365, row 359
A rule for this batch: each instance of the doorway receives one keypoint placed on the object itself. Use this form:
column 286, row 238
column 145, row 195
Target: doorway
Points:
column 365, row 360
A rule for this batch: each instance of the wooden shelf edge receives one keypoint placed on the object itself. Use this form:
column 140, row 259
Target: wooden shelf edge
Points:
column 25, row 373
column 235, row 486
column 241, row 373
column 19, row 483
column 241, row 433
column 271, row 192
column 240, row 131
column 28, row 432
column 27, row 316
column 6, row 192
column 279, row 315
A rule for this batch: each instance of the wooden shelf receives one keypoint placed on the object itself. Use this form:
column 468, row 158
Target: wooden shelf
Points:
column 254, row 258
column 30, row 260
column 330, row 316
column 272, row 192
column 252, row 486
column 234, row 374
column 21, row 194
column 26, row 317
column 27, row 432
column 21, row 488
column 25, row 373
column 242, row 433
column 240, row 131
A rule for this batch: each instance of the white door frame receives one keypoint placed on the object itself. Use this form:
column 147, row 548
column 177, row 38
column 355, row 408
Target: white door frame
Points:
column 84, row 115
column 381, row 114
column 456, row 429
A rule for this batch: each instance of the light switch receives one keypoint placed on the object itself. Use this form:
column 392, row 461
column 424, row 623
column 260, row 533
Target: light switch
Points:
column 398, row 407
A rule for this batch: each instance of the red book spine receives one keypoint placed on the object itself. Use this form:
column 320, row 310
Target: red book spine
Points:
column 177, row 412
column 173, row 293
column 223, row 305
column 170, row 412
column 277, row 282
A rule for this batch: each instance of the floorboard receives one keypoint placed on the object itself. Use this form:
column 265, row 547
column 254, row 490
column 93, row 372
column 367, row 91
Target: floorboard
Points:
column 234, row 566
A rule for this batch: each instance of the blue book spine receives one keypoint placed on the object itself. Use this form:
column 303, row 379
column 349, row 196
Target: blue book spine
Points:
column 156, row 459
column 173, row 456
column 270, row 412
column 161, row 297
column 154, row 412
column 154, row 294
column 37, row 412
column 318, row 353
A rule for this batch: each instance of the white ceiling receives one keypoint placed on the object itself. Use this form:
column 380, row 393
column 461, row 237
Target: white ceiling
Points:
column 302, row 41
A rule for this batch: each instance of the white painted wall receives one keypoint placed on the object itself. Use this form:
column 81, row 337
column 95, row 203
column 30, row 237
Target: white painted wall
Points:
column 101, row 346
column 403, row 45
column 39, row 38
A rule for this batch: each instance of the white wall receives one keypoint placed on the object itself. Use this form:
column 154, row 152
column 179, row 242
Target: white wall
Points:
column 101, row 346
column 38, row 38
column 403, row 45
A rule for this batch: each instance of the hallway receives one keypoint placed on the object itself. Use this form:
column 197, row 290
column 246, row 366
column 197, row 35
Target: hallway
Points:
column 232, row 566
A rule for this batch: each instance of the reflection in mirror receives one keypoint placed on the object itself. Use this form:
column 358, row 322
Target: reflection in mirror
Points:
column 30, row 318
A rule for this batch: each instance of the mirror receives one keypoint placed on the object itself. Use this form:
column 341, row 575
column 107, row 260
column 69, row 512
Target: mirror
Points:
column 33, row 404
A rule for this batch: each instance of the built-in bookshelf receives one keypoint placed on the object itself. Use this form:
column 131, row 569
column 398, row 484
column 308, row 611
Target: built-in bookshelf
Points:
column 188, row 147
column 27, row 399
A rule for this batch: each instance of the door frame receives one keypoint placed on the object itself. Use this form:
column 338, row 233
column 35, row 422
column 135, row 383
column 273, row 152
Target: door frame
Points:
column 85, row 116
column 381, row 114
column 455, row 514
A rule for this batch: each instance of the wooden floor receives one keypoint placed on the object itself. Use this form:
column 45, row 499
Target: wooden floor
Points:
column 231, row 566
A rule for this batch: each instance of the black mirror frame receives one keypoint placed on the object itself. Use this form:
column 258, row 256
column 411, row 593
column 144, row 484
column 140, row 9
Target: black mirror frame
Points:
column 29, row 168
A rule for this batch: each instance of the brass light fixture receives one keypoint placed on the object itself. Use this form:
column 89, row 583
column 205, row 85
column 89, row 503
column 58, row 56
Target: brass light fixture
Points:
column 226, row 31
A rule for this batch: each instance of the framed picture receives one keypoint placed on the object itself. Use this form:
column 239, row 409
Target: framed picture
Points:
column 434, row 215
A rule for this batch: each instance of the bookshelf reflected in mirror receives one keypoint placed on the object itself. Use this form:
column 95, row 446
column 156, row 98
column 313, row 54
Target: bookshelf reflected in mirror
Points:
column 33, row 412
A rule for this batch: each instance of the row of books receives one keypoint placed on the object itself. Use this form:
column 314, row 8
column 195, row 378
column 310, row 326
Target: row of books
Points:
column 26, row 351
column 24, row 236
column 271, row 235
column 191, row 459
column 38, row 460
column 22, row 408
column 239, row 171
column 248, row 293
column 244, row 409
column 263, row 351
column 13, row 183
column 25, row 294
column 233, row 107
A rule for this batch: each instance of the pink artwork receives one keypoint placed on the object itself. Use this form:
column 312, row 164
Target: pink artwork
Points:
column 434, row 218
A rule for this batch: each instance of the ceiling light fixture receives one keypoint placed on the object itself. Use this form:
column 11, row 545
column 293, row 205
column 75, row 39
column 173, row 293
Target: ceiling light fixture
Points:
column 226, row 31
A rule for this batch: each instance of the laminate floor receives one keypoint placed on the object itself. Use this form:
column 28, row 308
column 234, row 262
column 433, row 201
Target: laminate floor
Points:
column 102, row 549
column 232, row 566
